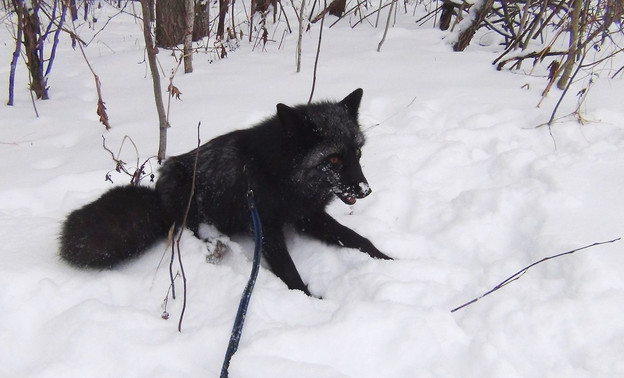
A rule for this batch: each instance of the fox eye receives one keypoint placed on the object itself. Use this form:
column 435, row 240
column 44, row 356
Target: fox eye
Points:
column 358, row 153
column 334, row 160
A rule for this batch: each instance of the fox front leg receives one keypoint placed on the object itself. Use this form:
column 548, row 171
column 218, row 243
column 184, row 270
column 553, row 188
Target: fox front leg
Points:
column 323, row 227
column 276, row 254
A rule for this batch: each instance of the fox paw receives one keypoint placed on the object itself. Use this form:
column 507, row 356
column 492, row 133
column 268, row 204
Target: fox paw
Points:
column 216, row 249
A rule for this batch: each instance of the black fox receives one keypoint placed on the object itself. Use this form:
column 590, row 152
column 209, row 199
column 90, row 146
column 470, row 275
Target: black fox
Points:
column 294, row 162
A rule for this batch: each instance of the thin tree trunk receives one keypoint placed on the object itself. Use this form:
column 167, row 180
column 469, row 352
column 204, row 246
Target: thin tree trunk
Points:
column 223, row 8
column 300, row 37
column 189, row 20
column 568, row 66
column 151, row 58
column 383, row 38
column 201, row 22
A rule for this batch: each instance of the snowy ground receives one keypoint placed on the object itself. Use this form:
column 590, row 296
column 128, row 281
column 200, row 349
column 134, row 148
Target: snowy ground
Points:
column 466, row 191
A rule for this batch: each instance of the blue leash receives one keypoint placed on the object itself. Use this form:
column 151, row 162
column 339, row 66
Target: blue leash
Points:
column 244, row 302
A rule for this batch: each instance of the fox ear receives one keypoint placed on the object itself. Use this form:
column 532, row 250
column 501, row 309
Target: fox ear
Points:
column 352, row 102
column 289, row 117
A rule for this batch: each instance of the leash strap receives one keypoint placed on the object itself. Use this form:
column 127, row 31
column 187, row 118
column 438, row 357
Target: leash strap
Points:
column 237, row 329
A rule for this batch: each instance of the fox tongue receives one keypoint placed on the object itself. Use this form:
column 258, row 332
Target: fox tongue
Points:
column 349, row 200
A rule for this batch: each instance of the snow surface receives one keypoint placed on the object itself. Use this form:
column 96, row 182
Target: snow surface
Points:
column 466, row 191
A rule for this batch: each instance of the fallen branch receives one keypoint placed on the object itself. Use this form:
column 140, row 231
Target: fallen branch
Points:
column 525, row 269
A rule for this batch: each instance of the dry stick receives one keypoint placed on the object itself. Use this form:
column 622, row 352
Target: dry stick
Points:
column 101, row 108
column 318, row 52
column 16, row 54
column 163, row 122
column 529, row 33
column 183, row 226
column 565, row 91
column 348, row 12
column 378, row 14
column 525, row 269
column 392, row 115
column 617, row 72
column 370, row 14
column 428, row 16
column 383, row 38
column 56, row 35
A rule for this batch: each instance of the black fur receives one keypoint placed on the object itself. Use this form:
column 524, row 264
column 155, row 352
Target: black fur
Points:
column 295, row 162
column 121, row 224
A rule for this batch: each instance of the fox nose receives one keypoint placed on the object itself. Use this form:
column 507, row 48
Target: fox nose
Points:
column 363, row 189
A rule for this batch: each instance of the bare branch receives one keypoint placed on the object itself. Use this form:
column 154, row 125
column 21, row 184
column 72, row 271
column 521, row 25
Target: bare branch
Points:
column 522, row 271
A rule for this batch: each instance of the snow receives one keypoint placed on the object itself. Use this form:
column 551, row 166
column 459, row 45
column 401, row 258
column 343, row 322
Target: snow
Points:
column 466, row 191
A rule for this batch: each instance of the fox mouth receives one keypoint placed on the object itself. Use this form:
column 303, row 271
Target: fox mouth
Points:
column 345, row 197
column 351, row 196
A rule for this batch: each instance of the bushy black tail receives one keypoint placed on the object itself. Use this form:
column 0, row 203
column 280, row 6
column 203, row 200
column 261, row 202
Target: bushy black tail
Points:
column 121, row 224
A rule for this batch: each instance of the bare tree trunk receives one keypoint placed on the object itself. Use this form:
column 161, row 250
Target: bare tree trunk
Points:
column 151, row 58
column 223, row 8
column 189, row 20
column 170, row 22
column 478, row 12
column 300, row 37
column 568, row 66
column 201, row 22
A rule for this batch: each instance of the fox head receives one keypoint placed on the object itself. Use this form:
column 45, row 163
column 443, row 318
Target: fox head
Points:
column 326, row 143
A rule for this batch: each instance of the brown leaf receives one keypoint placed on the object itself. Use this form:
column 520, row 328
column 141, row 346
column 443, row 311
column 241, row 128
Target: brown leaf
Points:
column 174, row 91
column 101, row 111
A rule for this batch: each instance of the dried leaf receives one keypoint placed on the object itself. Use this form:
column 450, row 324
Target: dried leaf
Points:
column 101, row 111
column 174, row 91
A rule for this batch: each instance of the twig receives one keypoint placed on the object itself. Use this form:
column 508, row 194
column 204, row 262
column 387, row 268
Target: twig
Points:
column 318, row 52
column 372, row 13
column 346, row 13
column 393, row 115
column 120, row 165
column 183, row 226
column 565, row 90
column 387, row 25
column 519, row 274
column 16, row 54
column 101, row 108
column 165, row 313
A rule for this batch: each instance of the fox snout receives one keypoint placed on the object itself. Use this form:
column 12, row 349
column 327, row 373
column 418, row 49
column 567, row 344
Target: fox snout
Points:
column 364, row 189
column 350, row 194
column 354, row 186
